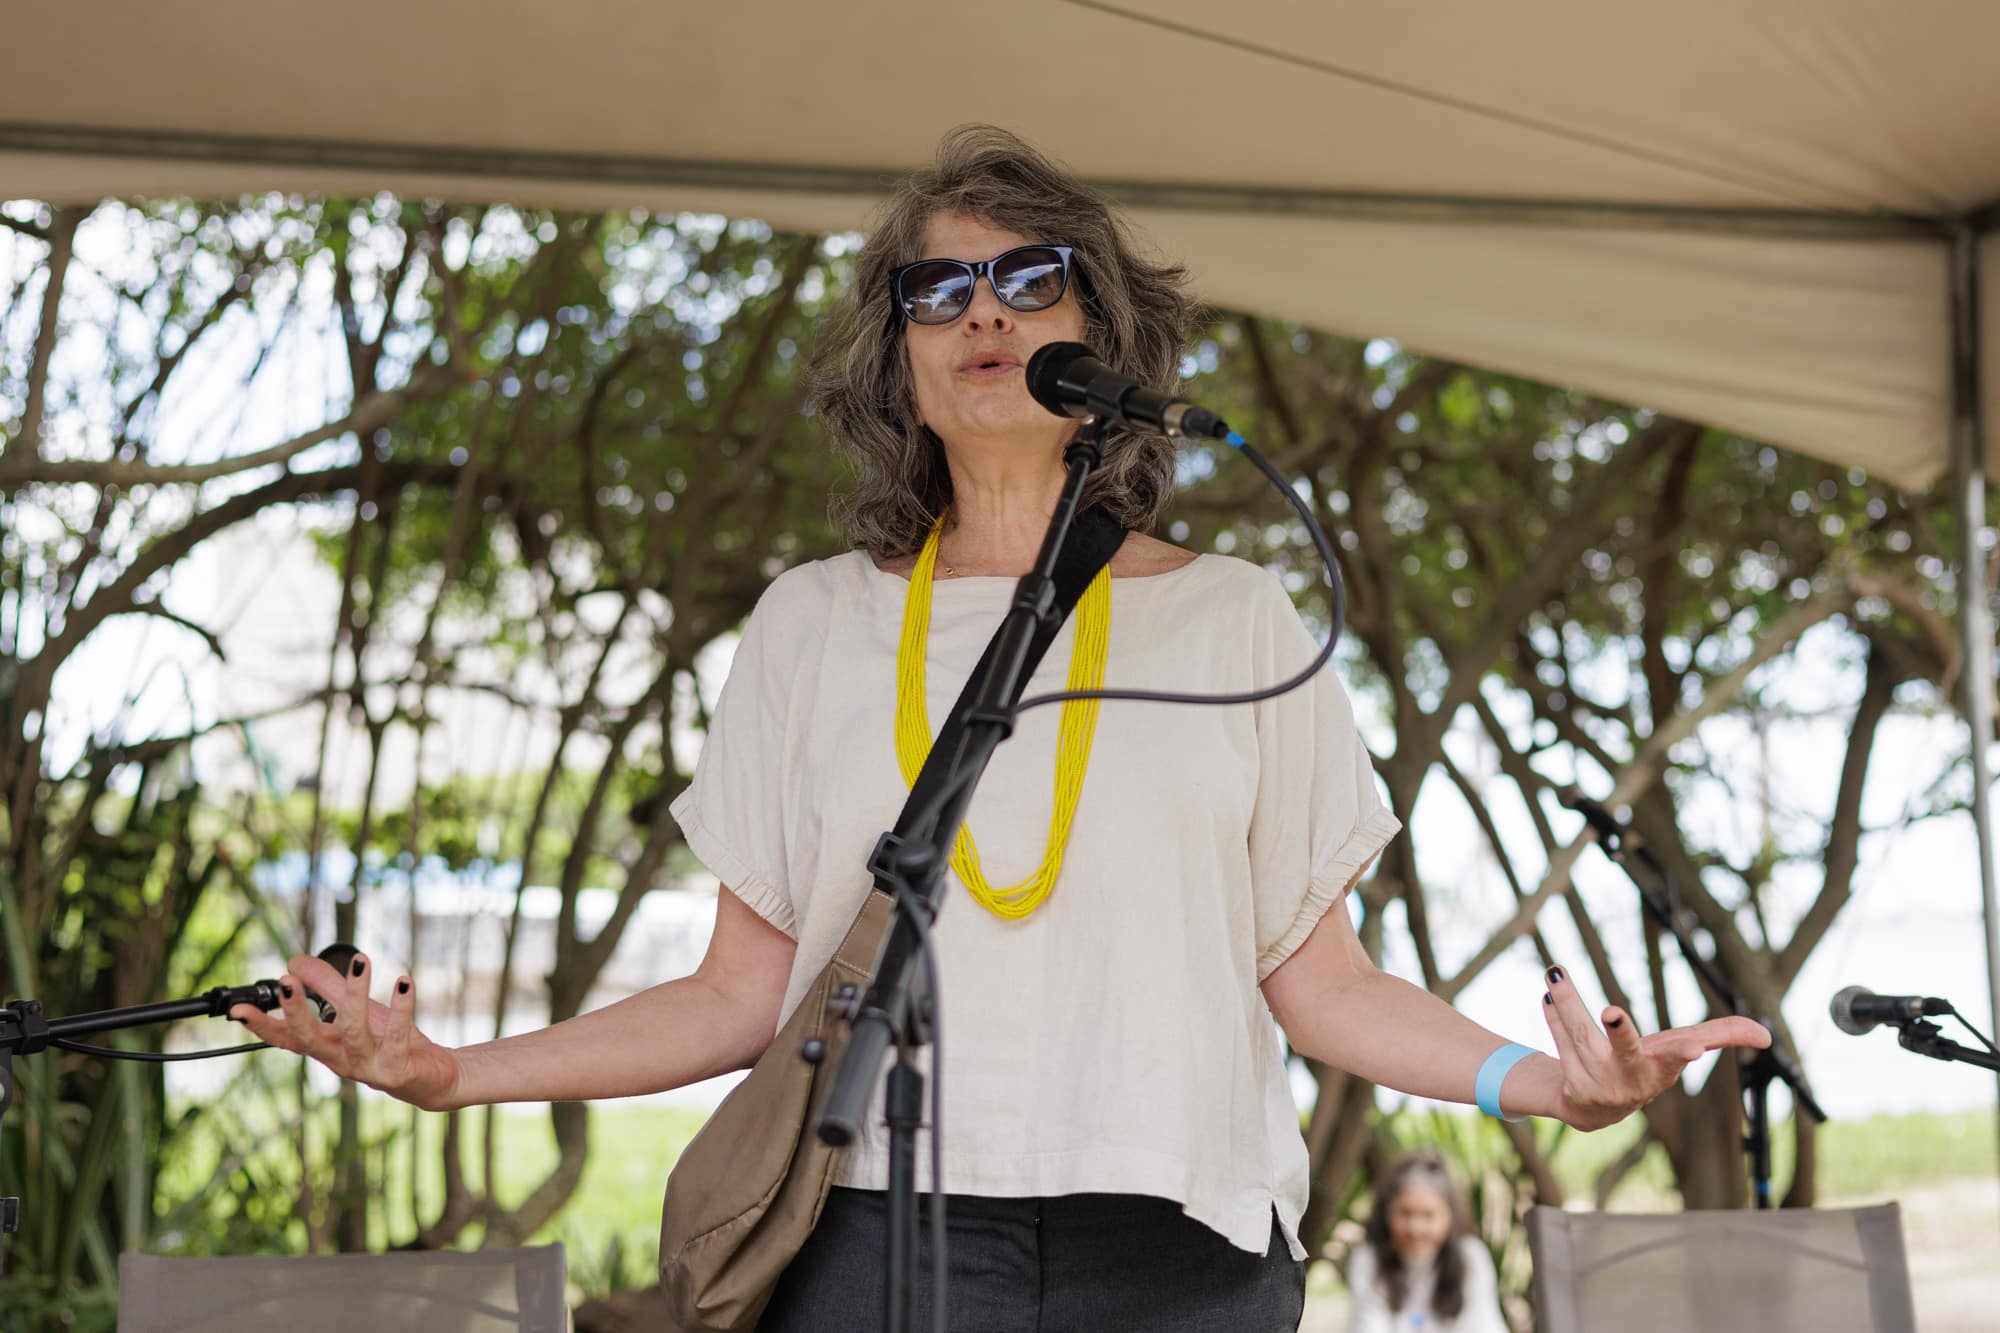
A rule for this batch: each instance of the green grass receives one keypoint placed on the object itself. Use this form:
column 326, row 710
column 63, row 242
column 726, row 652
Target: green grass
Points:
column 1865, row 1158
column 611, row 1226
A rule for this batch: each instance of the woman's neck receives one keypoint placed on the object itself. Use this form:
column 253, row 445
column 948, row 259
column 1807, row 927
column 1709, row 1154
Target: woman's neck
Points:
column 999, row 514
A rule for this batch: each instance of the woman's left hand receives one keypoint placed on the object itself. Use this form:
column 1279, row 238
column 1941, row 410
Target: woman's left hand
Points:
column 1611, row 1071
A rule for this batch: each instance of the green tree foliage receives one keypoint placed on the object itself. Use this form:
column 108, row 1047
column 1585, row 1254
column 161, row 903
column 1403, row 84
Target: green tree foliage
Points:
column 551, row 456
column 1571, row 591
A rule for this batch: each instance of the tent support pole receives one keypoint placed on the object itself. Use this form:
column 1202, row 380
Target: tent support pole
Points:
column 1968, row 456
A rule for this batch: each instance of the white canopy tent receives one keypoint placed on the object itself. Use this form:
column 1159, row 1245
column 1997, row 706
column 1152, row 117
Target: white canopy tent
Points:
column 1774, row 217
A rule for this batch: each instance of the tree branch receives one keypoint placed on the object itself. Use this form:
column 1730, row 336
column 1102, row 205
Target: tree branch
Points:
column 765, row 341
column 29, row 229
column 160, row 612
column 1645, row 767
column 1534, row 584
column 375, row 411
column 1843, row 838
column 1661, row 579
column 1266, row 375
column 1936, row 630
column 62, row 245
column 121, row 596
column 1484, row 819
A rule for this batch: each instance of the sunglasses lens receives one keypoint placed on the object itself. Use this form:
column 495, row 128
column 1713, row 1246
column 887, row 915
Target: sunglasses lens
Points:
column 1029, row 279
column 935, row 292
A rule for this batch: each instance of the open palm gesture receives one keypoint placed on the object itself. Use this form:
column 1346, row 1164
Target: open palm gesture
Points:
column 1610, row 1071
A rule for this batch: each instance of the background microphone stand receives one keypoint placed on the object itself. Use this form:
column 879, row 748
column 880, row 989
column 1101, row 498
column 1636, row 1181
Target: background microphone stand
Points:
column 25, row 1030
column 896, row 1008
column 1662, row 902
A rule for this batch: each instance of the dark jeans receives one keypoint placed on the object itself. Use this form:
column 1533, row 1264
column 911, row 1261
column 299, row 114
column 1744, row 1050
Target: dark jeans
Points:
column 1080, row 1263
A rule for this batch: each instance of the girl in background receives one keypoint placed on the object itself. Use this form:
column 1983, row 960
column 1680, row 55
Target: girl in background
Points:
column 1421, row 1269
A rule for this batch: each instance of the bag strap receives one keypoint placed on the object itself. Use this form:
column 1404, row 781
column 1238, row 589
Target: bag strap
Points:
column 1094, row 536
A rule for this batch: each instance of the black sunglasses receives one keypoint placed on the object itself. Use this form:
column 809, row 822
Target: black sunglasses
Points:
column 938, row 291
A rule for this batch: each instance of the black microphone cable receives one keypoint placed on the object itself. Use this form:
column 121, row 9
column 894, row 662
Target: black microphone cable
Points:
column 1966, row 1023
column 156, row 1057
column 1339, row 618
column 948, row 790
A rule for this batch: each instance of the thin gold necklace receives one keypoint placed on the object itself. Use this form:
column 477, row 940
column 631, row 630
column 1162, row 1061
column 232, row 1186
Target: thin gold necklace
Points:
column 1073, row 734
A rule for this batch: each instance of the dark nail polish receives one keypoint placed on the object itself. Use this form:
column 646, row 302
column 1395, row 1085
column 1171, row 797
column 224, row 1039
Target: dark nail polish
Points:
column 285, row 989
column 1614, row 1022
column 403, row 986
column 1555, row 976
column 1548, row 998
column 360, row 965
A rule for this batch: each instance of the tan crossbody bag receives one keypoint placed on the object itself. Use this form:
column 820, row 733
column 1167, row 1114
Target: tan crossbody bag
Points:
column 748, row 1190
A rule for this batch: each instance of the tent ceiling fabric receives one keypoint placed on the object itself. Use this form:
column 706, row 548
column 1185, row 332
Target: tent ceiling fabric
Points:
column 1725, row 211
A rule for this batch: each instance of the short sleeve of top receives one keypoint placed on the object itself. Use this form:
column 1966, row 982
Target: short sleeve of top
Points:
column 1318, row 818
column 734, row 814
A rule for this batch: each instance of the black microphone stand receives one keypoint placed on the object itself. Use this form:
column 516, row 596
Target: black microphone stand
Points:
column 896, row 1007
column 25, row 1030
column 1661, row 898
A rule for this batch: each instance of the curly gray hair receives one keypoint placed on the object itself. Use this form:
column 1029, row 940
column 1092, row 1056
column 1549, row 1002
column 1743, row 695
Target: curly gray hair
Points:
column 1135, row 316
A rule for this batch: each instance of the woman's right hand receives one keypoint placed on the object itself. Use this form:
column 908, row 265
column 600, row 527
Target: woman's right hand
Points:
column 368, row 1042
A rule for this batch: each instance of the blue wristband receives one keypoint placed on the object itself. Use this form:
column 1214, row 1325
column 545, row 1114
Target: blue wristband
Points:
column 1486, row 1087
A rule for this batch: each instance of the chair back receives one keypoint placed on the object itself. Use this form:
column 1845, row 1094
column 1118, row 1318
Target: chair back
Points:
column 1722, row 1271
column 419, row 1291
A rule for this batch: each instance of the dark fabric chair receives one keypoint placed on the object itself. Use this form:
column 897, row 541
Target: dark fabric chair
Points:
column 1827, row 1271
column 432, row 1291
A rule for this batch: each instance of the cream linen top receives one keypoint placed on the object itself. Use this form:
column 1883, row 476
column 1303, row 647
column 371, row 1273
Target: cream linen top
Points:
column 1115, row 1040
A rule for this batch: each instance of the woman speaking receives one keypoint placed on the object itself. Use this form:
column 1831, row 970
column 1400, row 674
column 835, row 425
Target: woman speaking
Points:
column 1139, row 890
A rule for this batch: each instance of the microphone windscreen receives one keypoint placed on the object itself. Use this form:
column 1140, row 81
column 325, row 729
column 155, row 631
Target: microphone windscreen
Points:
column 1842, row 1010
column 340, row 957
column 1045, row 375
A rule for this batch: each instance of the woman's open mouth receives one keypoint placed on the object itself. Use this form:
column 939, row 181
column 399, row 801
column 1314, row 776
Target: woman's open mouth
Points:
column 989, row 367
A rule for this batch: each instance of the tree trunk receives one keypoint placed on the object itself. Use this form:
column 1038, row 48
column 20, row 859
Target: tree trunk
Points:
column 1804, row 1189
column 1707, row 1153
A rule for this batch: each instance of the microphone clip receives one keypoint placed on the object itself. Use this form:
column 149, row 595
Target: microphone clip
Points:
column 1087, row 445
column 24, row 1029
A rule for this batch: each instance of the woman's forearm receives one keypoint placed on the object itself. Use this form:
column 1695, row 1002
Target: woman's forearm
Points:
column 1401, row 1036
column 668, row 1036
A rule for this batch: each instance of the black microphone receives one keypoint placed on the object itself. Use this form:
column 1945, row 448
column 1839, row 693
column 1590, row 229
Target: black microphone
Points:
column 339, row 957
column 1609, row 827
column 1069, row 380
column 1857, row 1009
column 258, row 994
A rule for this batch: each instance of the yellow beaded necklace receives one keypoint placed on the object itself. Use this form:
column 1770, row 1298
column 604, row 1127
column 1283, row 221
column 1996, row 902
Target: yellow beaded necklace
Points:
column 1078, row 725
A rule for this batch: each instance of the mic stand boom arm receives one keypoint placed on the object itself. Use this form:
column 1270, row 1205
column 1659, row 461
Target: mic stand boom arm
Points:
column 1660, row 898
column 25, row 1030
